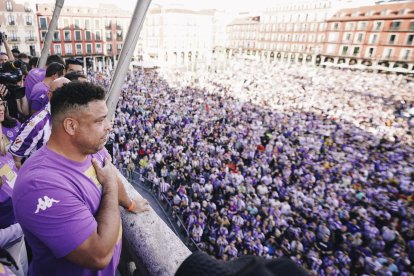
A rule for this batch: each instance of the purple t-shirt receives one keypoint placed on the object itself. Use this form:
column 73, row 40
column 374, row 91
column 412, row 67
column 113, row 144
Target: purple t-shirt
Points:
column 8, row 172
column 55, row 201
column 38, row 97
column 35, row 75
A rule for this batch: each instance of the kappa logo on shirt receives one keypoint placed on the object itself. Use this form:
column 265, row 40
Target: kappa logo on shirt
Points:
column 45, row 203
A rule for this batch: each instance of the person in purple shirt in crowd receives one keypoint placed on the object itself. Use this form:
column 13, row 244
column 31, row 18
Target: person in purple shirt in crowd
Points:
column 67, row 194
column 10, row 231
column 38, row 97
column 35, row 132
column 38, row 74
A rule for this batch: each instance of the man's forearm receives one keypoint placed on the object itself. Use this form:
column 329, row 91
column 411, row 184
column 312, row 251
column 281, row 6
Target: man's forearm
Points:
column 123, row 197
column 108, row 218
column 8, row 51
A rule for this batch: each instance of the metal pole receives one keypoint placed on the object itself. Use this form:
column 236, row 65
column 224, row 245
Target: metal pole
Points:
column 50, row 32
column 127, row 51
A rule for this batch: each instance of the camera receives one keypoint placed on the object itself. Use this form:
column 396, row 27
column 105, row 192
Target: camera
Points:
column 2, row 37
column 10, row 75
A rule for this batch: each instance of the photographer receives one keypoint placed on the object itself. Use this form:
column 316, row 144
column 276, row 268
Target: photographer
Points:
column 7, row 55
column 11, row 89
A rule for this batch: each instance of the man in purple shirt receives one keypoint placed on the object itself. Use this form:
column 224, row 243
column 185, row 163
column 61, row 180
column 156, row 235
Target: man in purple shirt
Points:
column 38, row 74
column 38, row 97
column 67, row 194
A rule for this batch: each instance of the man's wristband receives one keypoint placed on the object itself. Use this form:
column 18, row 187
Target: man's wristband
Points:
column 131, row 206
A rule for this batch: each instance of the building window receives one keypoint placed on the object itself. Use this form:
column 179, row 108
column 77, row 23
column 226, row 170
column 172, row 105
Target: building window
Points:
column 108, row 23
column 87, row 24
column 76, row 23
column 43, row 35
column 78, row 36
column 344, row 50
column 405, row 54
column 387, row 53
column 78, row 49
column 56, row 36
column 29, row 20
column 108, row 35
column 30, row 36
column 13, row 36
column 98, row 35
column 373, row 39
column 392, row 39
column 335, row 25
column 119, row 35
column 89, row 48
column 349, row 26
column 411, row 27
column 11, row 19
column 27, row 8
column 360, row 37
column 410, row 39
column 109, row 48
column 356, row 51
column 43, row 23
column 377, row 25
column 98, row 47
column 9, row 6
column 68, row 49
column 67, row 35
column 362, row 25
column 395, row 25
column 370, row 52
column 88, row 36
column 58, row 49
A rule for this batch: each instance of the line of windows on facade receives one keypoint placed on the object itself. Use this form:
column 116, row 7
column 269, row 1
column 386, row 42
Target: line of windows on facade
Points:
column 77, row 23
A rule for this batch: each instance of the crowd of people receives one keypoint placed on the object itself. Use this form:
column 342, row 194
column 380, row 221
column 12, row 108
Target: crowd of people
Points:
column 280, row 160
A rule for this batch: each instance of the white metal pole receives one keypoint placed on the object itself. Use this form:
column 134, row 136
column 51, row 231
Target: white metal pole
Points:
column 127, row 51
column 50, row 33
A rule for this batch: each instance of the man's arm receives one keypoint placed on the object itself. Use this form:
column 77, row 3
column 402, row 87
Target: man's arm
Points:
column 27, row 138
column 96, row 252
column 132, row 205
column 23, row 106
column 7, row 48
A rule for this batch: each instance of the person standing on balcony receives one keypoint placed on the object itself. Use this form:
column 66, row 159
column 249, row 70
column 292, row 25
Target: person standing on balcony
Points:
column 38, row 98
column 36, row 75
column 67, row 194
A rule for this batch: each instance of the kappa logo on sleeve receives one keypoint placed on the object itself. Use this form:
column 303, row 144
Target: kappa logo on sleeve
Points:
column 45, row 203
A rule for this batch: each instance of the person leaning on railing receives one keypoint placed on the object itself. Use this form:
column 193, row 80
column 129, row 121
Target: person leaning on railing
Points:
column 67, row 193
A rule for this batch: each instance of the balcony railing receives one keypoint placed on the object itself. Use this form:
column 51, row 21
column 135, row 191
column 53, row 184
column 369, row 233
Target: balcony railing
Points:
column 12, row 23
column 149, row 241
column 14, row 39
column 28, row 39
column 28, row 23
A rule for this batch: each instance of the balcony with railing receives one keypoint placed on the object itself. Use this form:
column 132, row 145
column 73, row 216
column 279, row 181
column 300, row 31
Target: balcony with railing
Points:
column 14, row 39
column 30, row 39
column 150, row 247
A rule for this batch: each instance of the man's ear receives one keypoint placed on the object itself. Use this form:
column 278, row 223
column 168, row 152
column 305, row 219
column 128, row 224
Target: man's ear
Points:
column 70, row 125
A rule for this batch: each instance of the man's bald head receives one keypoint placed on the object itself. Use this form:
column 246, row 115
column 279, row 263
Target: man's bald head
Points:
column 57, row 83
